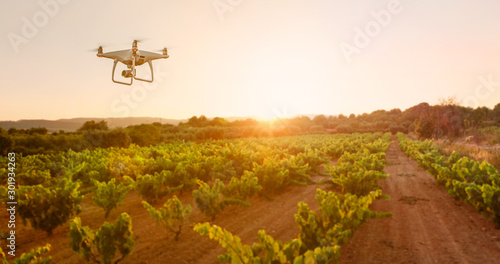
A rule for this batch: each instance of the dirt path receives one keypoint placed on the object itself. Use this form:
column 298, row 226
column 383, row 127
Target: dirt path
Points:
column 427, row 225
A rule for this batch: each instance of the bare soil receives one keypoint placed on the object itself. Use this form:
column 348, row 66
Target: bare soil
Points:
column 427, row 226
column 155, row 245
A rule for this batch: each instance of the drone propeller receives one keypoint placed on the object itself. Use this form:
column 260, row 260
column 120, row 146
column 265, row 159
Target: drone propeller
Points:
column 139, row 40
column 164, row 50
column 96, row 49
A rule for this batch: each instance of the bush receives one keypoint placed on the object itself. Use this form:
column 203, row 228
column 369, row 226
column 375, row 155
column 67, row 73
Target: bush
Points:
column 171, row 216
column 345, row 128
column 152, row 188
column 48, row 208
column 211, row 201
column 101, row 246
column 109, row 195
column 35, row 256
column 394, row 129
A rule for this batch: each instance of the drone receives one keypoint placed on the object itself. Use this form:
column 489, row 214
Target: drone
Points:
column 132, row 58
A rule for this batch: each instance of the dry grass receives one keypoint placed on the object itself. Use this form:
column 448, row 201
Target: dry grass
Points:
column 478, row 152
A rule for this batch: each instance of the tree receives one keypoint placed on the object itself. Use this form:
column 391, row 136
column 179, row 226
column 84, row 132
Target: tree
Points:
column 496, row 114
column 5, row 144
column 116, row 138
column 320, row 120
column 101, row 246
column 145, row 135
column 198, row 122
column 218, row 121
column 413, row 113
column 345, row 128
column 93, row 125
column 479, row 115
column 424, row 127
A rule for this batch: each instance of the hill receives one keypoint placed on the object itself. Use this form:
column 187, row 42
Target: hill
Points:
column 73, row 124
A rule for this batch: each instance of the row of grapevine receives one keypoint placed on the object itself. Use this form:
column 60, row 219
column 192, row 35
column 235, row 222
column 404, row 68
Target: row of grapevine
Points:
column 34, row 256
column 477, row 183
column 322, row 232
column 50, row 186
column 204, row 161
column 358, row 169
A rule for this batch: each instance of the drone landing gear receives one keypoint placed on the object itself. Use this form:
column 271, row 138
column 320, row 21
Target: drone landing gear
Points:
column 151, row 68
column 131, row 73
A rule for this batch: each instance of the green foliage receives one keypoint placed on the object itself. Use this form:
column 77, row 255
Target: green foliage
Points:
column 48, row 208
column 243, row 188
column 101, row 246
column 5, row 144
column 338, row 216
column 110, row 195
column 93, row 125
column 171, row 216
column 144, row 134
column 267, row 250
column 272, row 178
column 358, row 172
column 153, row 187
column 35, row 256
column 32, row 170
column 211, row 201
column 321, row 234
column 477, row 183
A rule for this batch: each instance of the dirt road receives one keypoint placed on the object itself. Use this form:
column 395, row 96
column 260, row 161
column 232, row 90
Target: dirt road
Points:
column 427, row 225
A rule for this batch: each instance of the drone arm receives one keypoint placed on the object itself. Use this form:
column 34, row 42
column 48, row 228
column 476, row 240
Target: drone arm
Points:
column 113, row 75
column 152, row 76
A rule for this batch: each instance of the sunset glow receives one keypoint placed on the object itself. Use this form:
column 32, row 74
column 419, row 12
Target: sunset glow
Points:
column 257, row 58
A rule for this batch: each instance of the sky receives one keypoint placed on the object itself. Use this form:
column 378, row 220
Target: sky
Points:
column 265, row 58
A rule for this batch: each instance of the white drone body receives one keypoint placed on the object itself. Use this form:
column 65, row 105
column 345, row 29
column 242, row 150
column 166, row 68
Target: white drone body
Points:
column 132, row 58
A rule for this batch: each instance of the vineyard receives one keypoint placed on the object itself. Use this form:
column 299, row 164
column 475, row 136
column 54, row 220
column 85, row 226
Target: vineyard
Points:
column 293, row 199
column 477, row 183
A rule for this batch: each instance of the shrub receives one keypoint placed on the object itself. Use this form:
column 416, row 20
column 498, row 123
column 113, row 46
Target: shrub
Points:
column 101, row 246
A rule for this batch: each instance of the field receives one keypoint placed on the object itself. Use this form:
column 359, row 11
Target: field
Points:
column 377, row 204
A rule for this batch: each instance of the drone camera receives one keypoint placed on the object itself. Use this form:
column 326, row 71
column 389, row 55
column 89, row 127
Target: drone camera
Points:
column 127, row 73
